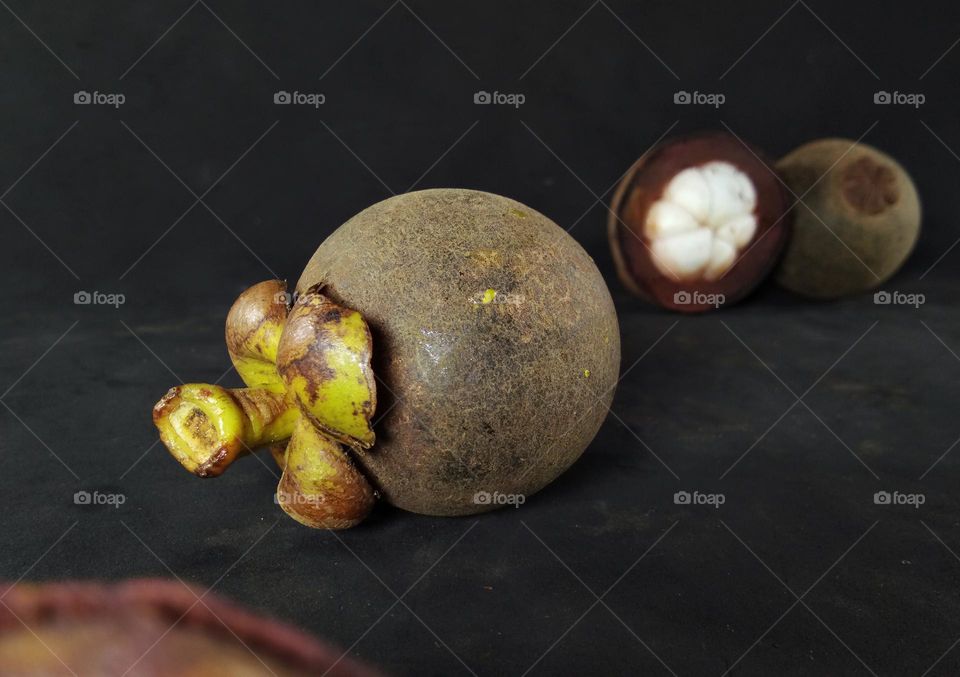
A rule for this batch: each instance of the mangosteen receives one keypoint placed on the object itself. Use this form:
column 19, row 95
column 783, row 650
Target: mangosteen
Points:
column 450, row 351
column 496, row 345
column 857, row 223
column 152, row 627
column 698, row 222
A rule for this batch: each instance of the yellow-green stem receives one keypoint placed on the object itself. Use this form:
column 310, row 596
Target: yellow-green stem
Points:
column 206, row 426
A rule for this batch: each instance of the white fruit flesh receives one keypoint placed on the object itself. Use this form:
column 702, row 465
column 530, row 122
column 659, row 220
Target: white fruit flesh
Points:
column 702, row 222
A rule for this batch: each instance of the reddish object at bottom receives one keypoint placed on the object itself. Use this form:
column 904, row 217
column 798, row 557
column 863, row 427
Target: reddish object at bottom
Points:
column 151, row 628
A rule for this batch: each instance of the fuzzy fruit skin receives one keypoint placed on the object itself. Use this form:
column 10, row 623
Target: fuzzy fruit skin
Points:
column 495, row 340
column 645, row 182
column 869, row 202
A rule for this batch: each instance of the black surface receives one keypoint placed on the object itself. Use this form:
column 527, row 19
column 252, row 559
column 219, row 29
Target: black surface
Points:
column 689, row 589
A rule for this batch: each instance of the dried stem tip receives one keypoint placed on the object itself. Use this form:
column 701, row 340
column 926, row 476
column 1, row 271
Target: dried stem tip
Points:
column 206, row 427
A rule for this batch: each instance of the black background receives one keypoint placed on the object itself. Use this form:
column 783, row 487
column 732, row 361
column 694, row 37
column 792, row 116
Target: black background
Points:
column 686, row 589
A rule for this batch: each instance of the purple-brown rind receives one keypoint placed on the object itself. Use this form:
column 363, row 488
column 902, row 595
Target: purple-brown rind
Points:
column 645, row 183
column 151, row 627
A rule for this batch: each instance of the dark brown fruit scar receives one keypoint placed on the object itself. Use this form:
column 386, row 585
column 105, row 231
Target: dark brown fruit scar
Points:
column 869, row 186
column 324, row 359
column 320, row 486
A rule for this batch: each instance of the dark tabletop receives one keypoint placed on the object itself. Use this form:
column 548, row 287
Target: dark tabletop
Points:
column 793, row 413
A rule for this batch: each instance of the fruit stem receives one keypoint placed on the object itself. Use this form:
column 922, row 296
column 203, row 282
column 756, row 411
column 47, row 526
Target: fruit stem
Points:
column 206, row 427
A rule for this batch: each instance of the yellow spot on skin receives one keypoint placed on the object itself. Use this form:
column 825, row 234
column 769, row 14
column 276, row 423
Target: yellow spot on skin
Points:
column 586, row 373
column 519, row 214
column 489, row 296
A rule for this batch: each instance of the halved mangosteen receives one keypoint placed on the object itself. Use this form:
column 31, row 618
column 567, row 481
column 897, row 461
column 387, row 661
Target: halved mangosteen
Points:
column 698, row 222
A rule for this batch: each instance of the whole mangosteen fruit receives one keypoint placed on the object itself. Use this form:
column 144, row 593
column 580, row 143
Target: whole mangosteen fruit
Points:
column 452, row 351
column 496, row 343
column 857, row 223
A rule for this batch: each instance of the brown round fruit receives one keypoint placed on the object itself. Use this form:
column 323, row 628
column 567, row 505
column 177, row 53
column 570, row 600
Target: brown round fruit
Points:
column 858, row 223
column 698, row 222
column 495, row 344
